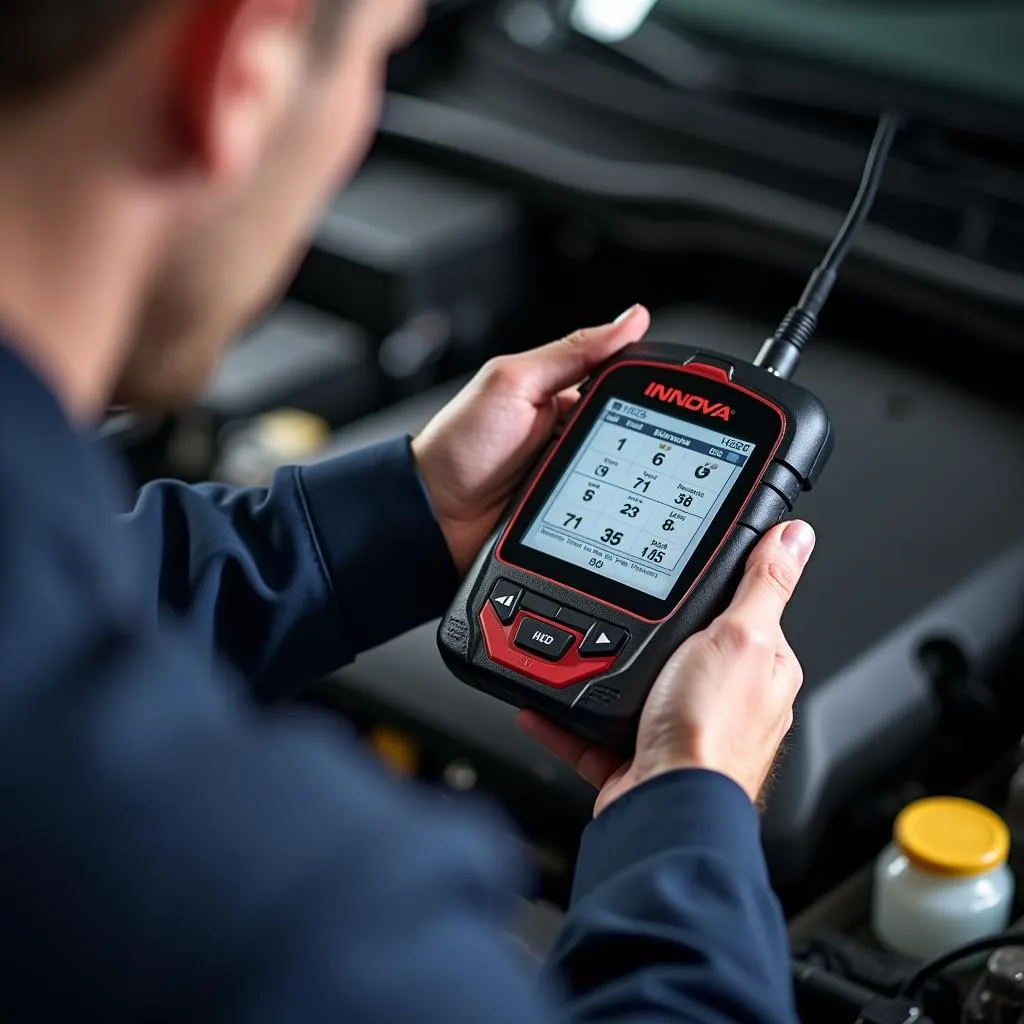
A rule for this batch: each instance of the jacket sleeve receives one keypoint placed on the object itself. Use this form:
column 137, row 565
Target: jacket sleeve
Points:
column 170, row 852
column 293, row 581
column 177, row 854
column 672, row 916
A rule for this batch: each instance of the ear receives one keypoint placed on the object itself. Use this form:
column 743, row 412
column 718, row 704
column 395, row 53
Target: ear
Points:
column 240, row 66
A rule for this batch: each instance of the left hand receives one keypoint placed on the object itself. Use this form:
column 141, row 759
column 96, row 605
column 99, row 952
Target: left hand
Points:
column 477, row 451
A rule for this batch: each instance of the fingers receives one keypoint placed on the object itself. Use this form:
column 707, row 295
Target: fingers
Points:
column 773, row 571
column 566, row 401
column 546, row 371
column 563, row 745
column 597, row 766
column 594, row 765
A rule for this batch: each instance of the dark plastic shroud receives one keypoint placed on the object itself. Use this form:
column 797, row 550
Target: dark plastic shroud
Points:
column 607, row 709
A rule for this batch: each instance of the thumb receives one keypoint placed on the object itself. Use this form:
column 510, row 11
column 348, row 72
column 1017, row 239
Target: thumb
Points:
column 773, row 572
column 546, row 371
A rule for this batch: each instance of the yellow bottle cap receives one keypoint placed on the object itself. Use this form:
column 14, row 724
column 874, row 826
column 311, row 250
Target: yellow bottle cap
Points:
column 292, row 433
column 396, row 750
column 952, row 837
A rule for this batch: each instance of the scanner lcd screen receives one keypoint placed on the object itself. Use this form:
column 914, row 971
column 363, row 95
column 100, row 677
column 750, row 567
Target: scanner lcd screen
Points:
column 640, row 495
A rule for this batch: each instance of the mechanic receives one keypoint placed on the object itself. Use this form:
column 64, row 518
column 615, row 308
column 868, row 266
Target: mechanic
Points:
column 172, row 846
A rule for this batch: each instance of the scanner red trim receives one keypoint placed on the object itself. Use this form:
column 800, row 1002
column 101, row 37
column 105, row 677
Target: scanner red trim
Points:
column 715, row 373
column 572, row 669
column 693, row 370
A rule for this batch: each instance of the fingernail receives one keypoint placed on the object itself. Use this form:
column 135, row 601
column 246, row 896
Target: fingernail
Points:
column 623, row 317
column 800, row 539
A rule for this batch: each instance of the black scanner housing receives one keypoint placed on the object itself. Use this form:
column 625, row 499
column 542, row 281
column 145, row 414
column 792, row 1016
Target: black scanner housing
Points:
column 606, row 709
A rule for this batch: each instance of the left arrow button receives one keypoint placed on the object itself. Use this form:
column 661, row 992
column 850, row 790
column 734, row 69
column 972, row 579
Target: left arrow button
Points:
column 505, row 598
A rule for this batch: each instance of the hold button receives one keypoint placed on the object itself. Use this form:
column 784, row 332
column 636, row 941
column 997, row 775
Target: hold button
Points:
column 548, row 642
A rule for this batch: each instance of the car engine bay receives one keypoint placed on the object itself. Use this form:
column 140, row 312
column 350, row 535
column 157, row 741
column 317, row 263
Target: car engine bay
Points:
column 529, row 179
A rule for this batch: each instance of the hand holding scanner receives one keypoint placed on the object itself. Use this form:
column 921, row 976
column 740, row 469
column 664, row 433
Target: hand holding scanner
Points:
column 633, row 531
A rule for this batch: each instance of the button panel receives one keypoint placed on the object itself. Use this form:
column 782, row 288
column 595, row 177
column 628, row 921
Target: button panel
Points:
column 548, row 642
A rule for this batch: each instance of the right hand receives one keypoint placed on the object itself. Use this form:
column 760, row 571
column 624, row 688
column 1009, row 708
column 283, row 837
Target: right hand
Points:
column 724, row 702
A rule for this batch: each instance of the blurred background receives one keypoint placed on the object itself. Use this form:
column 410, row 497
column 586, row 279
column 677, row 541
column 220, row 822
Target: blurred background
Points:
column 542, row 165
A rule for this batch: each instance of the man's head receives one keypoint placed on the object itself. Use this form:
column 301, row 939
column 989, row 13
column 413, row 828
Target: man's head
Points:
column 213, row 131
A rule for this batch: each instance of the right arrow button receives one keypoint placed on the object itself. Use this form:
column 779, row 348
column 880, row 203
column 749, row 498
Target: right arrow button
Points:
column 603, row 641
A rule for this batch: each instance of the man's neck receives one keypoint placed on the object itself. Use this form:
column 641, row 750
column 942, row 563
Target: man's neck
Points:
column 74, row 262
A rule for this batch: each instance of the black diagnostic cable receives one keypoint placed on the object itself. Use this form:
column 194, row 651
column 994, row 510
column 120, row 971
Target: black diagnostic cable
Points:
column 923, row 974
column 781, row 353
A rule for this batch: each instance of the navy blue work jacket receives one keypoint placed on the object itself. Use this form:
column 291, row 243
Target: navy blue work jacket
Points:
column 178, row 844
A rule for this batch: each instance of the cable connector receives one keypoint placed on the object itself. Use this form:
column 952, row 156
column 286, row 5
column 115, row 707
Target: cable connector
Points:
column 782, row 352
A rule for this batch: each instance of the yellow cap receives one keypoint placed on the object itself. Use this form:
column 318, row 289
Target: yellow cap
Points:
column 396, row 750
column 953, row 837
column 292, row 434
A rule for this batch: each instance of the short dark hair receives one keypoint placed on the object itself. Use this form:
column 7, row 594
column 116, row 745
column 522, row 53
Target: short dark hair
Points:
column 46, row 43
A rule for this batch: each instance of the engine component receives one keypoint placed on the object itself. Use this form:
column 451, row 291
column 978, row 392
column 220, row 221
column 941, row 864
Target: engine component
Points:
column 252, row 452
column 299, row 358
column 427, row 263
column 824, row 996
column 998, row 997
